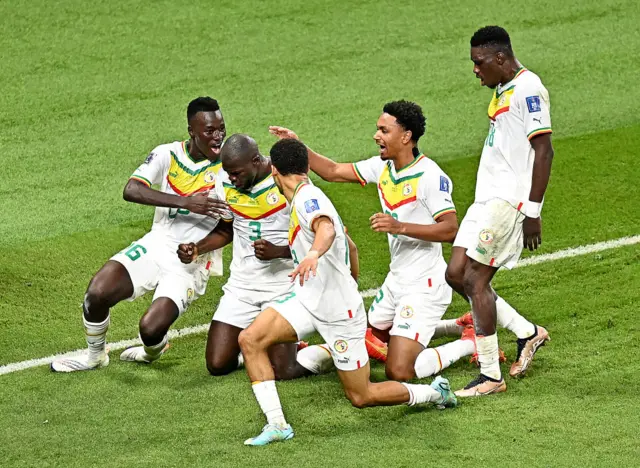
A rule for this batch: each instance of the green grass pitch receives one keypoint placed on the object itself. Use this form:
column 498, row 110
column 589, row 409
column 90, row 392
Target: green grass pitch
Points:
column 89, row 89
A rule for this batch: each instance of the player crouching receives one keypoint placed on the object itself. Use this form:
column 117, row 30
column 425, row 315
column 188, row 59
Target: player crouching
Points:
column 186, row 172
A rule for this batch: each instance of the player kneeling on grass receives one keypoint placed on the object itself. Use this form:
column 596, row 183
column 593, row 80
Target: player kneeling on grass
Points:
column 186, row 172
column 257, row 222
column 418, row 216
column 325, row 299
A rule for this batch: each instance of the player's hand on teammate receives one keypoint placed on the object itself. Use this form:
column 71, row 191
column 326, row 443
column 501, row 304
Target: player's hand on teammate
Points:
column 265, row 250
column 532, row 233
column 306, row 268
column 282, row 132
column 382, row 222
column 187, row 253
column 203, row 204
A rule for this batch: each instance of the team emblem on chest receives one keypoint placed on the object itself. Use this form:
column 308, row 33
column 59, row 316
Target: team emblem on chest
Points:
column 209, row 177
column 398, row 191
column 272, row 198
column 407, row 189
column 500, row 103
column 185, row 180
column 254, row 205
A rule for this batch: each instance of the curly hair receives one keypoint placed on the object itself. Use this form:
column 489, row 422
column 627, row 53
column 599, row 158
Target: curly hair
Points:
column 290, row 156
column 492, row 36
column 409, row 115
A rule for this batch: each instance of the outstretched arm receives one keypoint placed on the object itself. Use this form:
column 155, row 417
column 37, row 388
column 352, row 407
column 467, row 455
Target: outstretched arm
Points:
column 326, row 168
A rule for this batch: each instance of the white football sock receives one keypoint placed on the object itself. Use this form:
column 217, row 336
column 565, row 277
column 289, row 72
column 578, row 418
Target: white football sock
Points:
column 96, row 334
column 154, row 352
column 432, row 360
column 316, row 359
column 269, row 401
column 447, row 328
column 488, row 356
column 510, row 319
column 422, row 394
column 240, row 360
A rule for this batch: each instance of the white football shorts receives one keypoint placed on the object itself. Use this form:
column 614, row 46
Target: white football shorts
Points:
column 152, row 263
column 345, row 338
column 491, row 232
column 239, row 307
column 412, row 315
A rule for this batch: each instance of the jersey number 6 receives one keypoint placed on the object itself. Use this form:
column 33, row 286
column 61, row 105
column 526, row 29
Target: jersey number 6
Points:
column 135, row 252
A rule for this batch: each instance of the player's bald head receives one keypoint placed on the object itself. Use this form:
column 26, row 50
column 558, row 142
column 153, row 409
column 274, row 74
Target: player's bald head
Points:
column 239, row 149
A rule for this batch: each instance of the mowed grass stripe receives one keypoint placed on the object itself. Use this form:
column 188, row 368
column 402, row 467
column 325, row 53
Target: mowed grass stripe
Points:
column 125, row 90
column 173, row 413
column 596, row 173
column 177, row 333
column 42, row 282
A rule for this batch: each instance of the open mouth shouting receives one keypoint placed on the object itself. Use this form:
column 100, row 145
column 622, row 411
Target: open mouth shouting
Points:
column 383, row 148
column 216, row 146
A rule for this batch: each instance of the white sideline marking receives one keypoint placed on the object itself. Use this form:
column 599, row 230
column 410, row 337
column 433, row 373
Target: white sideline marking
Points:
column 580, row 250
column 560, row 254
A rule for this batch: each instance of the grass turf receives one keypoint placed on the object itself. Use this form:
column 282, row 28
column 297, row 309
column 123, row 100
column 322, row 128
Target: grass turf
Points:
column 91, row 89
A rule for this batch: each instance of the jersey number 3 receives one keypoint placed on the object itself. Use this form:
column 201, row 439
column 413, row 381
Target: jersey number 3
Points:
column 256, row 229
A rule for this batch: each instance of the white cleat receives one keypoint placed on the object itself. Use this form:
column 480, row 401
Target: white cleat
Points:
column 138, row 354
column 79, row 363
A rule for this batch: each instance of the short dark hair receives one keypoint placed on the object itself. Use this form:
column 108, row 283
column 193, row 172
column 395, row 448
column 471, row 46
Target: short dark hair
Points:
column 290, row 156
column 492, row 36
column 202, row 104
column 409, row 115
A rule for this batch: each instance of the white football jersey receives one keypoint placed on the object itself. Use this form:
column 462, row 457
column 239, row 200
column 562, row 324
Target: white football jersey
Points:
column 333, row 282
column 259, row 213
column 519, row 111
column 418, row 193
column 170, row 166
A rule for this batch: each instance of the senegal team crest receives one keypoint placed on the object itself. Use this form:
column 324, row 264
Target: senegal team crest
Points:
column 273, row 198
column 486, row 236
column 406, row 312
column 407, row 189
column 209, row 177
column 189, row 294
column 340, row 346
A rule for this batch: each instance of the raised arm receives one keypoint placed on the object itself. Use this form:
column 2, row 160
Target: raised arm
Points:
column 326, row 168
